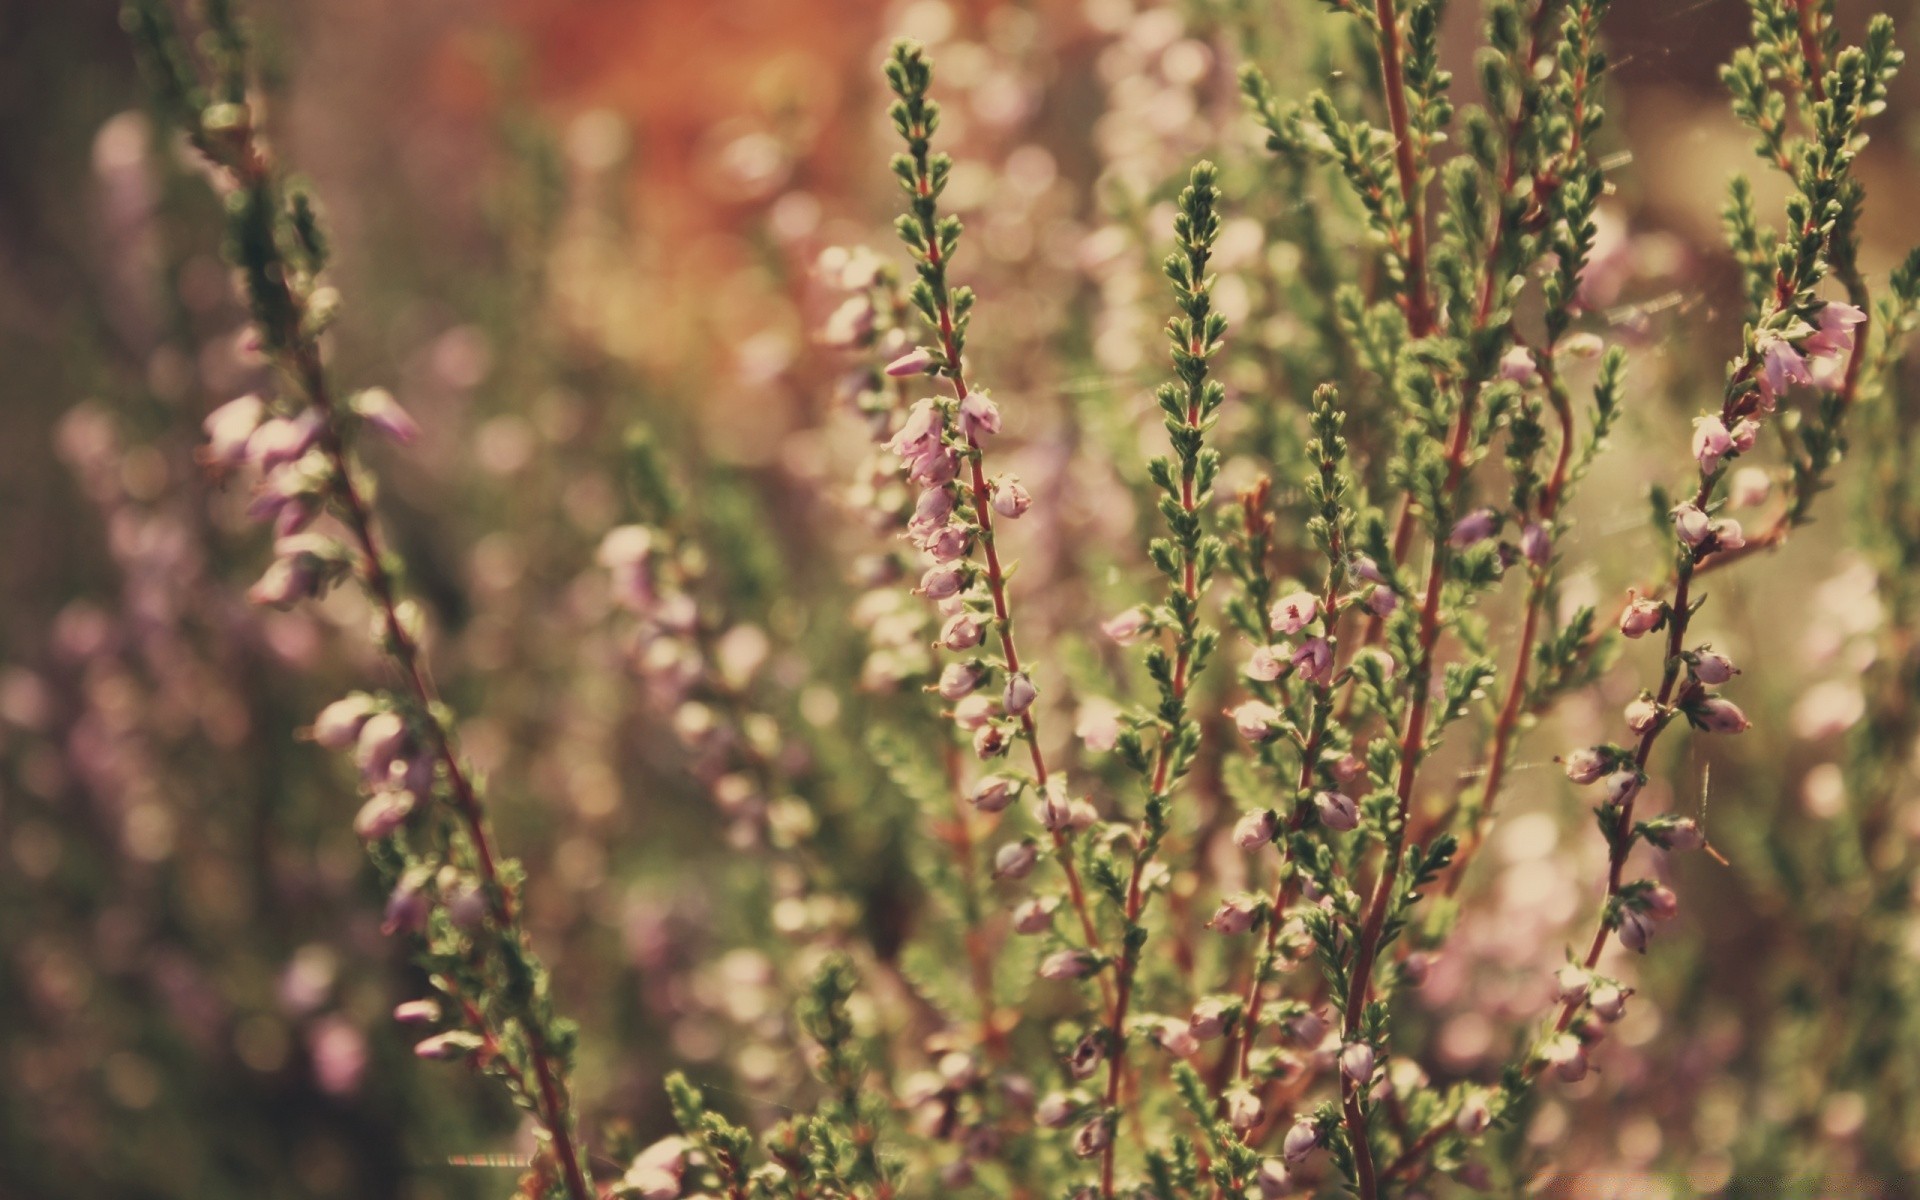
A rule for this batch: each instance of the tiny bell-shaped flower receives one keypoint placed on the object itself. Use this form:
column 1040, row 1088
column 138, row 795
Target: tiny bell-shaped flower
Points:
column 1254, row 830
column 1727, row 534
column 1035, row 915
column 963, row 631
column 1567, row 1056
column 1019, row 694
column 1266, row 663
column 1609, row 1002
column 1056, row 1110
column 1300, row 1140
column 447, row 1047
column 383, row 814
column 1536, row 543
column 1717, row 714
column 1711, row 442
column 1211, row 1016
column 1636, row 930
column 338, row 725
column 1642, row 616
column 913, row 362
column 1474, row 1116
column 973, row 712
column 1685, row 834
column 993, row 793
column 1642, row 714
column 943, row 582
column 1244, row 1109
column 1271, row 1179
column 1010, row 499
column 1712, row 667
column 378, row 408
column 1585, row 766
column 1660, row 903
column 1337, row 811
column 1691, row 524
column 1127, row 627
column 1313, row 661
column 1174, row 1037
column 1356, row 1062
column 979, row 416
column 1092, row 1138
column 1477, row 526
column 959, row 679
column 1063, row 965
column 1236, row 914
column 1571, row 984
column 1382, row 600
column 1517, row 366
column 1293, row 613
column 417, row 1012
column 1750, row 487
column 1622, row 784
column 228, row 428
column 1256, row 720
column 1015, row 860
column 991, row 741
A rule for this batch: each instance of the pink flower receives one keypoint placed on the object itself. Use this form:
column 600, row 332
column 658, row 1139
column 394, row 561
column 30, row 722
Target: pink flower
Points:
column 228, row 429
column 990, row 741
column 286, row 582
column 1517, row 366
column 1211, row 1017
column 1691, row 524
column 1271, row 1179
column 1643, row 615
column 1126, row 628
column 1727, row 534
column 1067, row 964
column 1314, row 660
column 1609, row 1002
column 447, row 1047
column 1337, row 810
column 1266, row 663
column 339, row 723
column 1244, row 1109
column 655, row 1174
column 1834, row 337
column 1685, row 834
column 1011, row 500
column 1643, row 714
column 1743, row 434
column 1019, row 694
column 943, row 582
column 1536, row 543
column 1256, row 720
column 913, row 362
column 1293, row 613
column 1713, row 667
column 1780, row 365
column 1098, row 725
column 979, row 416
column 1717, row 714
column 1477, row 526
column 1035, row 915
column 1474, row 1116
column 383, row 739
column 1622, row 784
column 994, row 793
column 1567, row 1056
column 283, row 439
column 1174, row 1037
column 1660, row 902
column 1300, row 1140
column 407, row 910
column 963, row 631
column 1356, row 1062
column 1254, row 830
column 973, row 712
column 378, row 408
column 1585, row 766
column 383, row 814
column 1236, row 914
column 1571, row 984
column 1750, row 486
column 417, row 1012
column 1365, row 568
column 1015, row 860
column 1711, row 442
column 1382, row 601
column 948, row 542
column 1636, row 930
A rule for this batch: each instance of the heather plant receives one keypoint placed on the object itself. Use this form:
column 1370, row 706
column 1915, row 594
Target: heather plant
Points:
column 1103, row 780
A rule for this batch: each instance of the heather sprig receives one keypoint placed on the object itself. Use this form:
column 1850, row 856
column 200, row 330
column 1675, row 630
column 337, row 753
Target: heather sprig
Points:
column 423, row 820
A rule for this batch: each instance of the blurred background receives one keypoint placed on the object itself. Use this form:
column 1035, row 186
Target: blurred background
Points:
column 557, row 218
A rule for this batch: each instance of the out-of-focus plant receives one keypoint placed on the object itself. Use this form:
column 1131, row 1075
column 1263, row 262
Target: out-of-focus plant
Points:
column 1210, row 987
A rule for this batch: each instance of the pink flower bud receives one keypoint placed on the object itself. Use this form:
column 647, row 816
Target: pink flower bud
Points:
column 1711, row 442
column 1780, row 365
column 1717, row 714
column 1571, row 983
column 1015, row 860
column 1691, row 524
column 338, row 724
column 913, row 362
column 1622, row 784
column 958, row 679
column 1337, row 811
column 1474, row 1116
column 1727, row 534
column 1236, row 914
column 1256, row 720
column 1271, row 1179
column 932, row 509
column 655, row 1174
column 991, row 741
column 287, row 581
column 1636, row 930
column 1056, row 1110
column 1175, row 1038
column 383, row 814
column 1356, row 1062
column 943, row 582
column 1567, row 1056
column 417, row 1012
column 1349, row 767
column 1609, row 1002
column 1642, row 714
column 1643, row 615
column 1477, row 526
column 1254, row 830
column 1266, row 663
column 973, row 712
column 1585, row 766
column 1382, row 601
column 378, row 408
column 979, row 416
column 1211, row 1017
column 383, row 738
column 1293, row 613
column 1307, row 1028
column 228, row 429
column 1415, row 967
column 1300, row 1140
column 1517, row 366
column 1092, row 1138
column 1744, row 434
column 1685, row 834
column 948, row 542
column 1127, row 627
column 1750, row 487
column 849, row 325
column 281, row 440
column 963, row 631
column 1313, row 661
column 1536, row 543
column 1365, row 568
column 407, row 909
column 1713, row 667
column 994, row 793
column 1063, row 965
column 1011, row 500
column 447, row 1047
column 1244, row 1109
column 1660, row 903
column 1035, row 915
column 1019, row 694
column 1098, row 724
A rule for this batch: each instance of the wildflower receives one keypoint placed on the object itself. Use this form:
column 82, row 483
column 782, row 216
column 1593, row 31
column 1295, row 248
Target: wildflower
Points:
column 1098, row 724
column 1244, row 1109
column 943, row 582
column 913, row 362
column 1711, row 442
column 1536, row 544
column 417, row 1012
column 1636, row 930
column 281, row 440
column 1622, row 784
column 1691, row 524
column 979, row 416
column 1266, row 663
column 1642, row 714
column 1571, row 984
column 972, row 712
column 1727, row 534
column 1660, row 903
column 1211, row 1016
column 1271, row 1179
column 1474, row 1116
column 1356, row 1062
column 655, row 1173
column 1415, row 967
column 1750, row 486
column 993, row 793
column 1010, row 499
column 1517, row 366
column 931, row 510
column 1063, row 965
column 1609, row 1002
column 959, row 679
column 1642, row 616
column 1713, row 667
column 1365, row 568
column 1174, row 1037
column 963, row 631
column 1717, row 714
column 383, row 738
column 1382, row 601
column 1581, row 345
column 228, row 429
column 1337, row 810
column 1092, row 1138
column 1834, row 337
column 1291, row 614
column 1477, row 526
column 288, row 580
column 1052, row 809
column 1743, row 435
column 407, row 909
column 849, row 325
column 378, row 408
column 1236, row 914
column 1300, row 1140
column 1256, row 720
column 1035, row 915
column 1567, row 1056
column 1780, row 365
column 991, row 741
column 383, row 814
column 948, row 542
column 1685, row 834
column 339, row 723
column 1313, row 661
column 447, row 1047
column 1126, row 627
column 1019, row 694
column 1056, row 1109
column 1585, row 766
column 1254, row 830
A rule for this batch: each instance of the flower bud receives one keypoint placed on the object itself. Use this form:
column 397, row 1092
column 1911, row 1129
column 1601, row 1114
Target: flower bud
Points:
column 1266, row 663
column 1636, row 930
column 913, row 362
column 1477, row 526
column 383, row 737
column 979, row 416
column 991, row 741
column 1356, row 1062
column 1254, row 830
column 1685, row 834
column 1571, row 984
column 1609, row 1002
column 1585, row 766
column 1244, row 1109
column 1236, row 914
column 287, row 581
column 1517, row 366
column 283, row 439
column 943, row 582
column 1019, row 694
column 973, row 712
column 1127, row 627
column 1056, row 1110
column 1010, row 499
column 338, row 724
column 656, row 1172
column 1063, row 965
column 1092, row 1138
column 948, row 542
column 1271, row 1179
column 1660, row 903
column 1035, row 915
column 993, row 793
column 1713, row 667
column 1474, row 1116
column 958, row 679
column 1643, row 615
column 1256, row 720
column 407, row 908
column 1750, row 487
column 228, row 429
column 1567, row 1056
column 1622, row 784
column 1717, row 714
column 1382, row 601
column 1365, row 568
column 1015, row 860
column 417, row 1012
column 378, row 408
column 1174, row 1037
column 1642, row 714
column 1536, row 543
column 963, row 631
column 1211, row 1016
column 1300, row 1140
column 1314, row 660
column 1291, row 614
column 1337, row 811
column 383, row 814
column 447, row 1047
column 1691, row 524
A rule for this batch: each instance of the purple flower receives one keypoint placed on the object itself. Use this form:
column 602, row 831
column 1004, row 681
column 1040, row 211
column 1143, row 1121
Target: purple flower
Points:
column 378, row 408
column 1834, row 337
column 958, row 680
column 1211, row 1016
column 1300, row 1140
column 1011, row 500
column 1015, row 860
column 1254, row 830
column 1571, row 984
column 1382, row 601
column 1711, row 442
column 913, row 362
column 943, row 582
column 1126, row 628
column 1266, row 663
column 383, row 814
column 1256, row 720
column 993, row 793
column 1717, row 714
column 447, row 1047
column 1622, row 784
column 407, row 910
column 1477, row 526
column 1585, row 766
column 1536, row 543
column 1727, row 534
column 963, row 631
column 1642, row 714
column 228, row 429
column 1642, row 616
column 339, row 723
column 1271, row 1179
column 979, row 416
column 1685, row 834
column 991, row 741
column 383, row 739
column 1780, row 365
column 1517, row 366
column 1067, row 964
column 1474, row 1116
column 1174, row 1037
column 1019, row 694
column 1236, row 914
column 287, row 581
column 972, row 712
column 1244, row 1109
column 417, row 1012
column 1713, row 667
column 1293, row 613
column 1337, row 810
column 1356, row 1062
column 283, row 439
column 1691, row 524
column 1567, row 1056
column 1035, row 915
column 1098, row 725
column 948, row 542
column 1636, row 930
column 1314, row 660
column 1609, row 1002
